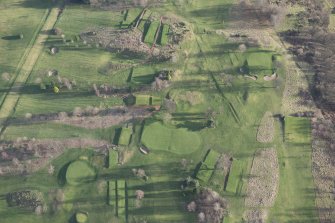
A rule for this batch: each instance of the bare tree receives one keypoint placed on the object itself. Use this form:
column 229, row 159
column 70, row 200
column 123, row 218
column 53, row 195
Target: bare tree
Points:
column 51, row 169
column 201, row 217
column 140, row 173
column 5, row 76
column 183, row 163
column 15, row 161
column 192, row 206
column 96, row 90
column 139, row 194
column 242, row 47
column 170, row 105
column 60, row 196
column 211, row 207
column 166, row 117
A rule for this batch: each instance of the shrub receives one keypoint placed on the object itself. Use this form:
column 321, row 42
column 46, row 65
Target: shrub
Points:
column 81, row 217
column 56, row 89
column 26, row 199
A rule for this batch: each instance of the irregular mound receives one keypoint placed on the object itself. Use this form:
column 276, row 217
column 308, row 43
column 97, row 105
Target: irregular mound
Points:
column 80, row 172
column 266, row 130
column 263, row 183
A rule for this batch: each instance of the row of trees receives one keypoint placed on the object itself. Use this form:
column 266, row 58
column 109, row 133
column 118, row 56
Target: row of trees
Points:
column 314, row 44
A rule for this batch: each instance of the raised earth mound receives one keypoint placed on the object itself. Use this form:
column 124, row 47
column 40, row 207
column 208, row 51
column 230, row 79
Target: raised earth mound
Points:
column 80, row 172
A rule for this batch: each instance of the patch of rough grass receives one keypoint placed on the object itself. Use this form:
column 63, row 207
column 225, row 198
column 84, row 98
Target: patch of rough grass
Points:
column 264, row 179
column 266, row 129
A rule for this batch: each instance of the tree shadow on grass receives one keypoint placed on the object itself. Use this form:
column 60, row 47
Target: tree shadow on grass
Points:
column 61, row 177
column 13, row 37
column 215, row 13
column 37, row 4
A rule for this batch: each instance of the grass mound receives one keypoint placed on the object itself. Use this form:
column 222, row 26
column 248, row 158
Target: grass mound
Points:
column 80, row 172
column 157, row 136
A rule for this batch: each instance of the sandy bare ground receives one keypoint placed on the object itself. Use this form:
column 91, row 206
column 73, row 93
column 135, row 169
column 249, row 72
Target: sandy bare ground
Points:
column 28, row 156
column 13, row 94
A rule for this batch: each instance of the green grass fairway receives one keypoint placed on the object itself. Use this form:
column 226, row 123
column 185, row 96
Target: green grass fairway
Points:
column 157, row 136
column 150, row 36
column 208, row 166
column 296, row 197
column 80, row 172
column 111, row 193
column 112, row 158
column 260, row 60
column 142, row 99
column 125, row 136
column 164, row 35
column 235, row 177
column 143, row 75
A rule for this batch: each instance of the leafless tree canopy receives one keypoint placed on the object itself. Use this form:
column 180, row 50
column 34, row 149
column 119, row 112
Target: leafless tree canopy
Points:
column 139, row 194
column 209, row 205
